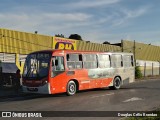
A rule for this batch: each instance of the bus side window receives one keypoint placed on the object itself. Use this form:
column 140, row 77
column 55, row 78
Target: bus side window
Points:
column 116, row 61
column 104, row 61
column 125, row 60
column 74, row 61
column 128, row 61
column 70, row 61
column 57, row 66
column 90, row 61
column 58, row 63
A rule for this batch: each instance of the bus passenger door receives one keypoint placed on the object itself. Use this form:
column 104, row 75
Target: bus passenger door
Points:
column 57, row 70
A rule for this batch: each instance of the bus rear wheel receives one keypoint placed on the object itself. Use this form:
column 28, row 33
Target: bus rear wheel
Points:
column 116, row 84
column 71, row 88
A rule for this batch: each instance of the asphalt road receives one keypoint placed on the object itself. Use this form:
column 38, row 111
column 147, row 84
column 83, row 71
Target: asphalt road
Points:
column 137, row 96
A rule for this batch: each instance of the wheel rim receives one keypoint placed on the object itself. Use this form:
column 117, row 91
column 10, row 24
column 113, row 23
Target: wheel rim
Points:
column 117, row 83
column 71, row 88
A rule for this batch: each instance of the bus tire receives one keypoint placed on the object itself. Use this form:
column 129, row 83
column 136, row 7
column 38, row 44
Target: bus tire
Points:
column 71, row 88
column 116, row 83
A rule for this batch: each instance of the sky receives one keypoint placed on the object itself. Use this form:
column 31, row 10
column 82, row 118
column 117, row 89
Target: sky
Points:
column 95, row 20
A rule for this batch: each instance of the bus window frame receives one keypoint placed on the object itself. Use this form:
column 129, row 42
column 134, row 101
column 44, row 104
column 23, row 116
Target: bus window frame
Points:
column 97, row 66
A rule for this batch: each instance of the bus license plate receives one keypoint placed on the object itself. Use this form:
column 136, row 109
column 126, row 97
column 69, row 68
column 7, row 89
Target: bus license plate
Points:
column 32, row 89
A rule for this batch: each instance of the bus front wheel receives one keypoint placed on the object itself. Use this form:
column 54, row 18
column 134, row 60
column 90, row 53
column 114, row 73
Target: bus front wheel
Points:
column 71, row 88
column 116, row 84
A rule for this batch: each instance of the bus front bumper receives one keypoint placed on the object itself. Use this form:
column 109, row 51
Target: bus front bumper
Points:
column 45, row 89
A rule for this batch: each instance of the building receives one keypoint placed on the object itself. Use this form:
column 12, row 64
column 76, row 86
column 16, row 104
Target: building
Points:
column 15, row 45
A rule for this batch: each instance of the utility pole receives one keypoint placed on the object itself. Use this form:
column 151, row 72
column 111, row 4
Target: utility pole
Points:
column 122, row 45
column 134, row 52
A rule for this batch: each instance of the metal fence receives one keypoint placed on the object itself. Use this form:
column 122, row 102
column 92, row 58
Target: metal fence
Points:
column 149, row 68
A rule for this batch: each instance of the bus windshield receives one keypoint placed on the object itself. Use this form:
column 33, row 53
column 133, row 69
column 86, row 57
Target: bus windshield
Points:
column 37, row 65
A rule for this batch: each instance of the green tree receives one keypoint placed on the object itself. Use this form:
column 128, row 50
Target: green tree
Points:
column 59, row 35
column 138, row 73
column 106, row 42
column 75, row 37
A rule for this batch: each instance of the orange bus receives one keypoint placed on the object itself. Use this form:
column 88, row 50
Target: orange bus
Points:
column 58, row 71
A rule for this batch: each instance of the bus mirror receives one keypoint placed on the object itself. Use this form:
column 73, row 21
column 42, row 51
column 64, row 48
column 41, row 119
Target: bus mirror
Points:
column 56, row 62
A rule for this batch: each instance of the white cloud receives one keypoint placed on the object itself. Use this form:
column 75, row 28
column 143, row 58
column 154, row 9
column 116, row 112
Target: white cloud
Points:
column 97, row 25
column 146, row 37
column 125, row 15
column 92, row 3
column 143, row 36
column 53, row 21
column 135, row 13
column 76, row 17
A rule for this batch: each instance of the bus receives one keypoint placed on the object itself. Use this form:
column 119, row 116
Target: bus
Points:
column 68, row 71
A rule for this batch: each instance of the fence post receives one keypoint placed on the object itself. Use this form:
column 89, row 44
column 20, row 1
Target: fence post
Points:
column 144, row 69
column 152, row 68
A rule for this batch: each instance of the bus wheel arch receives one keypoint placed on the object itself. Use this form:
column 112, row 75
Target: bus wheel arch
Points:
column 117, row 82
column 72, row 87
